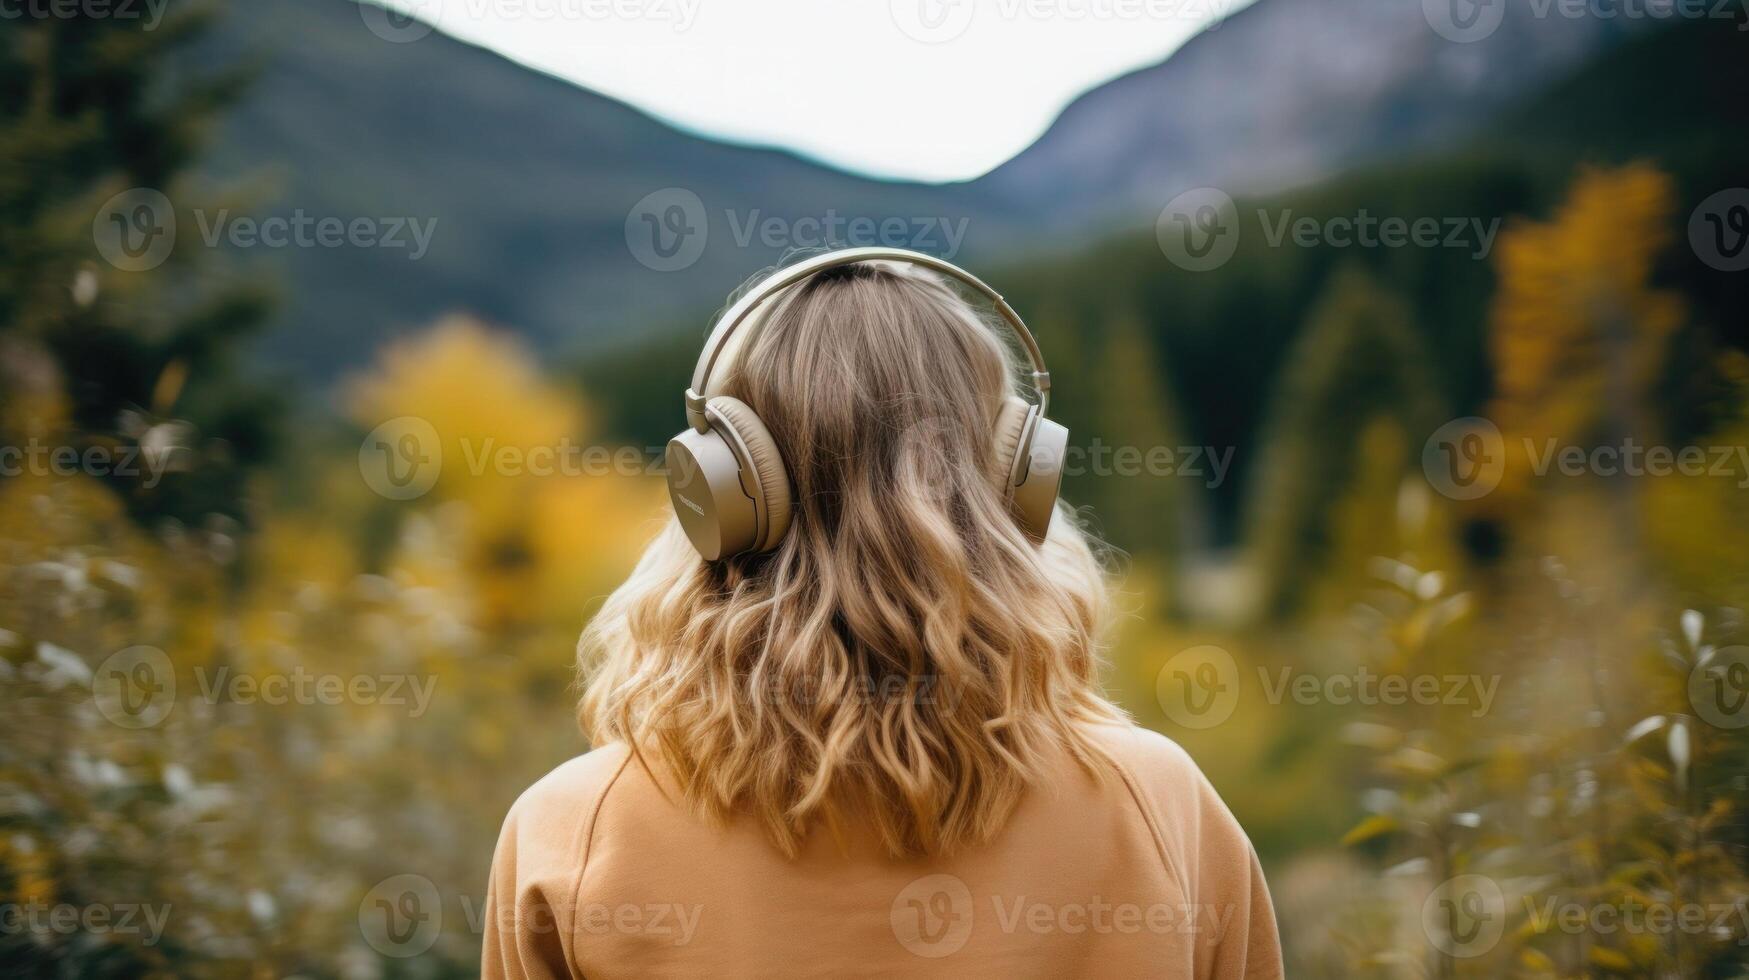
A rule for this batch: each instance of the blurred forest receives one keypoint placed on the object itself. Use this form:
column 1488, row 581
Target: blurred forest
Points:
column 241, row 533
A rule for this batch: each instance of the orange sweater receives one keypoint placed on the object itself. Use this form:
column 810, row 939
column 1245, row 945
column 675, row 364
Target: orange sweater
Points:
column 600, row 873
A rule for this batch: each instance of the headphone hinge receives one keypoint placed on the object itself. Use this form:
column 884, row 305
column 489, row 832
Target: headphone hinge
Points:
column 695, row 403
column 1041, row 382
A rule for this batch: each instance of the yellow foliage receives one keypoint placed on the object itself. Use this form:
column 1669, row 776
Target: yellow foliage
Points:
column 537, row 516
column 487, row 400
column 591, row 533
column 1578, row 333
column 1575, row 314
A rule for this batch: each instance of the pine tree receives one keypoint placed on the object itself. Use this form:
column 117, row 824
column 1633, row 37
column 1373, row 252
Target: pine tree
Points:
column 1141, row 506
column 118, row 330
column 1357, row 361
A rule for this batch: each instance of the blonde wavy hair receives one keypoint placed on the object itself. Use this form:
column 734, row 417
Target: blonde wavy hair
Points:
column 906, row 657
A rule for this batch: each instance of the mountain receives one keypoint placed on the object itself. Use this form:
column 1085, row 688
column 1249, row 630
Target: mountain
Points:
column 1220, row 340
column 529, row 182
column 1289, row 91
column 577, row 220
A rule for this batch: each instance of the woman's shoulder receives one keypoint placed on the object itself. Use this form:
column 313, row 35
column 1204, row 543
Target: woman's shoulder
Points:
column 1201, row 844
column 1175, row 797
column 1148, row 757
column 572, row 793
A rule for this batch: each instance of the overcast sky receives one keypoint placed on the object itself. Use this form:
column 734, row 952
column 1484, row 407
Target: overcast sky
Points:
column 928, row 89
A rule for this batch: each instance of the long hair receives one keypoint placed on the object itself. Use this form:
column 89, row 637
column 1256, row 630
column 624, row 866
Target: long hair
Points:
column 906, row 657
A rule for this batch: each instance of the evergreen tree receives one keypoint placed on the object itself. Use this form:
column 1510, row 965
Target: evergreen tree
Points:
column 118, row 330
column 1358, row 360
column 1140, row 499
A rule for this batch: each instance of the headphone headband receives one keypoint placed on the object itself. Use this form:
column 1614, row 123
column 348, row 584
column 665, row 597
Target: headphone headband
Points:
column 790, row 275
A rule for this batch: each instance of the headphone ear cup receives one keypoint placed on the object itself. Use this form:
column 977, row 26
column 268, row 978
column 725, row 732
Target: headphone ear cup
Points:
column 1029, row 460
column 1010, row 429
column 704, row 485
column 763, row 476
column 1035, row 497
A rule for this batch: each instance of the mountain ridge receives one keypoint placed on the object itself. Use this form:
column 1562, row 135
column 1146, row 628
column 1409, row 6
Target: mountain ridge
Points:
column 553, row 205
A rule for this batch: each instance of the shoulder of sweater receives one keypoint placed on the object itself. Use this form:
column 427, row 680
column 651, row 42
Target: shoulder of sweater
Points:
column 571, row 793
column 1155, row 761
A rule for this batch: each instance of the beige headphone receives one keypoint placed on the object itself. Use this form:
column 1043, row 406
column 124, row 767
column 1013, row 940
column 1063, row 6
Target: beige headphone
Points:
column 726, row 477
